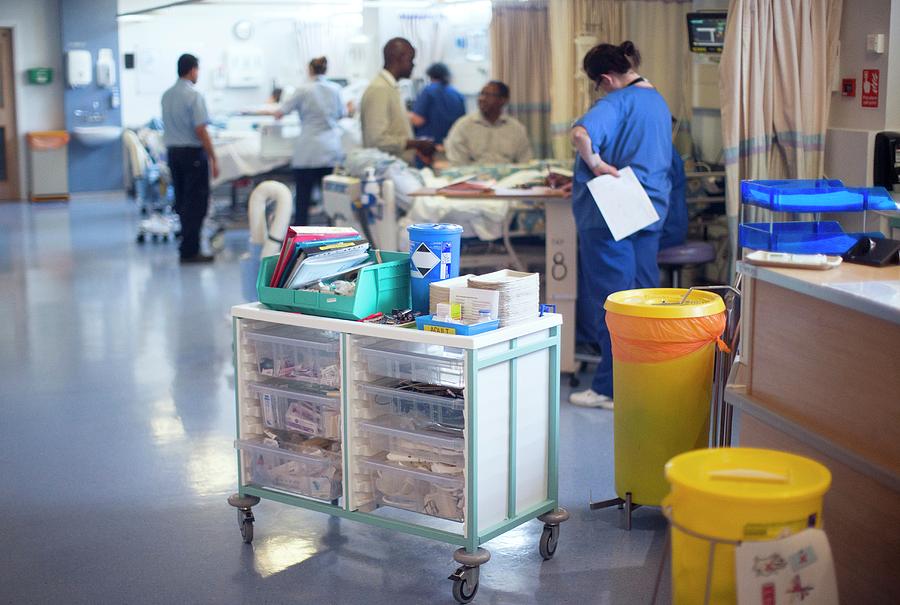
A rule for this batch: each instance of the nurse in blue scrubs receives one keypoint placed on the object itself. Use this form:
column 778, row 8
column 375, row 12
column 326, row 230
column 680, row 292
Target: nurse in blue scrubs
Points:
column 629, row 126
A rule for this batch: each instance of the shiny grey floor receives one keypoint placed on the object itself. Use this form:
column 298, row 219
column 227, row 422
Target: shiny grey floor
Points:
column 116, row 429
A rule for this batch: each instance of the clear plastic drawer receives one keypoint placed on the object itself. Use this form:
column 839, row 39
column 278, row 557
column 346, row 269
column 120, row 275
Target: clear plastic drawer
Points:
column 437, row 404
column 410, row 441
column 412, row 489
column 288, row 409
column 313, row 472
column 297, row 354
column 433, row 364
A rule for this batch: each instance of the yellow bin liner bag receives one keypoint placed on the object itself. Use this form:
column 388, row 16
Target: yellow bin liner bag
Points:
column 663, row 349
column 734, row 494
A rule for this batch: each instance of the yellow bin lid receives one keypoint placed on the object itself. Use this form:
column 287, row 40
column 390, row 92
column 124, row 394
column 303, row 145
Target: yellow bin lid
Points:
column 749, row 474
column 664, row 303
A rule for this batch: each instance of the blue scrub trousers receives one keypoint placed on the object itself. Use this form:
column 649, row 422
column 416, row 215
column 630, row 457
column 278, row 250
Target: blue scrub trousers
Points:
column 606, row 266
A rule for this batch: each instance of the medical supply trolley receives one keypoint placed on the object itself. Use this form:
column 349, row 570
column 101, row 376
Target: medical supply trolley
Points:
column 448, row 437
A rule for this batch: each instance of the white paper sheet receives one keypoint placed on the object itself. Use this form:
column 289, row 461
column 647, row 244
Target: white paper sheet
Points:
column 622, row 201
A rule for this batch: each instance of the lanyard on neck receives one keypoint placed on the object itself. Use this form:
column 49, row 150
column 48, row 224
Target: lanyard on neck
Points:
column 636, row 80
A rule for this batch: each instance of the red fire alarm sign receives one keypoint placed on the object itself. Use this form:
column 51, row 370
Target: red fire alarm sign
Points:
column 869, row 88
column 848, row 87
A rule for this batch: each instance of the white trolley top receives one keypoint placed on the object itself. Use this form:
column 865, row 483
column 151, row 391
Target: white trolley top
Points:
column 259, row 312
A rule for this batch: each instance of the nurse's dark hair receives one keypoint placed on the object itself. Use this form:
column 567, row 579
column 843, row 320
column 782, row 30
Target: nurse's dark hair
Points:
column 439, row 72
column 608, row 58
column 186, row 63
column 318, row 66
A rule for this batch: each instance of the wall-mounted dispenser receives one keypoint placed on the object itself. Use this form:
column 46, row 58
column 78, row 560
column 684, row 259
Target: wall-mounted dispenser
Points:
column 106, row 68
column 78, row 68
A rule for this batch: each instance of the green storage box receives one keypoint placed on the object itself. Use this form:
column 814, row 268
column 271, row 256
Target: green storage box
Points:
column 379, row 288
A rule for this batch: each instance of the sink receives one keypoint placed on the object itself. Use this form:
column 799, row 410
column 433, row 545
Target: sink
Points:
column 94, row 136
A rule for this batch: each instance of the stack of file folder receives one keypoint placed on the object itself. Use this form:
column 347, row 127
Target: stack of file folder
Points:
column 313, row 254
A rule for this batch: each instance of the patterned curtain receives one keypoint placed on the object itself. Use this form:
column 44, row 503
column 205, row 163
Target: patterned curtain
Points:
column 657, row 27
column 520, row 56
column 775, row 85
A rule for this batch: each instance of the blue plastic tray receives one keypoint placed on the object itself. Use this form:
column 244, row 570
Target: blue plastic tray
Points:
column 820, row 237
column 451, row 328
column 814, row 196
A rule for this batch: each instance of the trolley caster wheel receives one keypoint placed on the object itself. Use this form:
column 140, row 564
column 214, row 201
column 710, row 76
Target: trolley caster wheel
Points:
column 245, row 523
column 140, row 238
column 165, row 238
column 574, row 382
column 154, row 237
column 549, row 541
column 465, row 584
column 247, row 530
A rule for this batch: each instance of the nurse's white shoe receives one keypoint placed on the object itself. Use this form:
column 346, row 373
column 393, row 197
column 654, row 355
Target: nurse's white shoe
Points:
column 591, row 399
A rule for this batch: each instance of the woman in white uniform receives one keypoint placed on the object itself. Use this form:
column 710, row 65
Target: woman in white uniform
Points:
column 318, row 148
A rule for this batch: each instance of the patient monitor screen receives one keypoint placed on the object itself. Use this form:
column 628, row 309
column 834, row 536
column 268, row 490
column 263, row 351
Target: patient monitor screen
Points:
column 706, row 32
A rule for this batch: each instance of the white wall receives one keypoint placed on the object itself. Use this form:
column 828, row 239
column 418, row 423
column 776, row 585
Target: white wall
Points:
column 862, row 17
column 207, row 32
column 36, row 43
column 351, row 38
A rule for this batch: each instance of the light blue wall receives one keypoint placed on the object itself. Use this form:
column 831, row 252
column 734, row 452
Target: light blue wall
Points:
column 91, row 25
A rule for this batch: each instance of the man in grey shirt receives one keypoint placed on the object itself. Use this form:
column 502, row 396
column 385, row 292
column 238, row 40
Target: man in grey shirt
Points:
column 385, row 121
column 487, row 136
column 191, row 155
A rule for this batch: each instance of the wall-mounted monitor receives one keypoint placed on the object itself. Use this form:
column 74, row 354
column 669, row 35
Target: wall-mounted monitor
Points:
column 706, row 31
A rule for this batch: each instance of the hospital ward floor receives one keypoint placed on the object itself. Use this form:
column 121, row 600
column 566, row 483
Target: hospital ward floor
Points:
column 116, row 444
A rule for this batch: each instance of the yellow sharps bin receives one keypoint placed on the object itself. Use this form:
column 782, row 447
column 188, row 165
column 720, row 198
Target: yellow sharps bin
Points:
column 663, row 345
column 723, row 496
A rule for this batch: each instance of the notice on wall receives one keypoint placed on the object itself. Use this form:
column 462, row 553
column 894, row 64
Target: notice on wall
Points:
column 870, row 82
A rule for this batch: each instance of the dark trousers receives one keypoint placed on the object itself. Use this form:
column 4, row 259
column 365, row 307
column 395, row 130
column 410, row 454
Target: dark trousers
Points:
column 190, row 179
column 306, row 180
column 606, row 266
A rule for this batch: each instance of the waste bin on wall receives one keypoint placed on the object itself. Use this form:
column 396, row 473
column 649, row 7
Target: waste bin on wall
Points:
column 663, row 347
column 48, row 161
column 728, row 495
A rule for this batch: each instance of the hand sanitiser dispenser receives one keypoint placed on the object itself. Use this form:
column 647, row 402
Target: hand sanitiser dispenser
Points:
column 78, row 68
column 106, row 68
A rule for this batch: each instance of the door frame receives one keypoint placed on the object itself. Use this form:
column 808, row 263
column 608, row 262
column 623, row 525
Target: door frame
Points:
column 21, row 158
column 14, row 160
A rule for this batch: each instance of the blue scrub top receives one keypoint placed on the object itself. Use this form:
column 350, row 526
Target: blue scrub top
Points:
column 441, row 105
column 675, row 227
column 628, row 127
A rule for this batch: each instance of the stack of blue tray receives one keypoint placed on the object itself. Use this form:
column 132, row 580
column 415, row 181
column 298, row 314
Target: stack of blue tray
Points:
column 810, row 196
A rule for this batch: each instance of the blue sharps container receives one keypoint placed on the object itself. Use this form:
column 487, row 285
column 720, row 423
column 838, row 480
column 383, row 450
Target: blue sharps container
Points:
column 433, row 256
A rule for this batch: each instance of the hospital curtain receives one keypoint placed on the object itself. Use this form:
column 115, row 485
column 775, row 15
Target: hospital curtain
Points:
column 659, row 30
column 775, row 85
column 520, row 57
column 426, row 32
column 657, row 27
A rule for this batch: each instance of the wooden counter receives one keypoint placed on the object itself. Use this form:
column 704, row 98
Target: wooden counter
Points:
column 820, row 376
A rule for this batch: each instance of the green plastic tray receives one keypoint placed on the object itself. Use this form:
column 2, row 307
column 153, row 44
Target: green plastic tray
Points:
column 379, row 288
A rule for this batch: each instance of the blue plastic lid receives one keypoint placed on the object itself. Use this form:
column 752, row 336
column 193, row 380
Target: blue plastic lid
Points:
column 428, row 228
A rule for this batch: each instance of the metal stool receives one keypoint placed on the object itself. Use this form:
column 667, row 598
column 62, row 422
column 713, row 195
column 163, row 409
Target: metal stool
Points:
column 676, row 258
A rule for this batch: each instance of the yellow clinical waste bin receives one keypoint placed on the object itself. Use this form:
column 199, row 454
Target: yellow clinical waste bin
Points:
column 730, row 495
column 663, row 349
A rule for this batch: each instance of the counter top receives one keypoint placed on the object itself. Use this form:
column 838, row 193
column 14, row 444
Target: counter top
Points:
column 871, row 290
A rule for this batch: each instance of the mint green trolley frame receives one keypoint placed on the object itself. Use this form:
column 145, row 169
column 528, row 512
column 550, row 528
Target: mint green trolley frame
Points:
column 473, row 537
